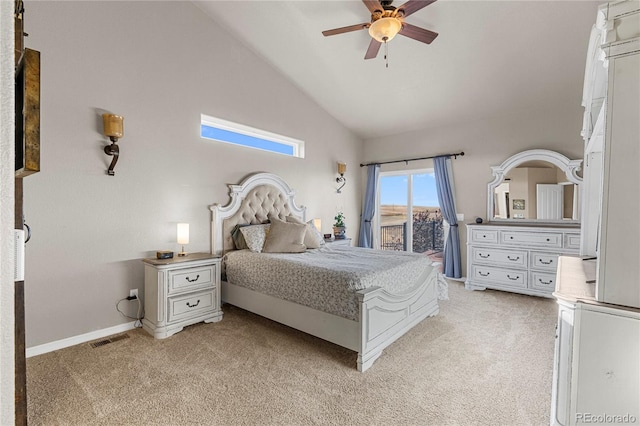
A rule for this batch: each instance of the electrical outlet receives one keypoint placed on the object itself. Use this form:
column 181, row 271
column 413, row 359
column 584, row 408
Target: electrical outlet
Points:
column 133, row 292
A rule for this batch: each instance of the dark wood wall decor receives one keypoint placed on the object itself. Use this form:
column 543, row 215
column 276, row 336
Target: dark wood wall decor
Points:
column 28, row 114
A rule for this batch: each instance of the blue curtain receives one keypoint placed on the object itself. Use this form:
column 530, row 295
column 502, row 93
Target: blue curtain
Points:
column 451, row 264
column 366, row 232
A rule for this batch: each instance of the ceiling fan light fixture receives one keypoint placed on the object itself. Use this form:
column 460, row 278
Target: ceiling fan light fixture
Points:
column 385, row 29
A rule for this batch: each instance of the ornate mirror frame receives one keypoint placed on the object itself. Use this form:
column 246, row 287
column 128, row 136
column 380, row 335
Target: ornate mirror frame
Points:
column 569, row 167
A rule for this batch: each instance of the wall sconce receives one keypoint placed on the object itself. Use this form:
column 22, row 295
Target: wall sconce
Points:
column 342, row 169
column 114, row 130
column 183, row 237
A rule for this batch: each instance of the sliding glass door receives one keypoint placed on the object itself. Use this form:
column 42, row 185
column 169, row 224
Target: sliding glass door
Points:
column 409, row 215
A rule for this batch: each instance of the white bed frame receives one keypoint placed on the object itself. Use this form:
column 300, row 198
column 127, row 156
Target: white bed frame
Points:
column 384, row 317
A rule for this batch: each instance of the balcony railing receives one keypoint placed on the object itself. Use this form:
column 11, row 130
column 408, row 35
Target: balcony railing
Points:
column 428, row 234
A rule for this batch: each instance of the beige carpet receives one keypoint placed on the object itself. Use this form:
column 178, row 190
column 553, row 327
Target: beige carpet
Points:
column 486, row 359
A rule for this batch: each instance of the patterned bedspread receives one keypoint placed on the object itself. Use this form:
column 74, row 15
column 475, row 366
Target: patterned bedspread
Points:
column 327, row 278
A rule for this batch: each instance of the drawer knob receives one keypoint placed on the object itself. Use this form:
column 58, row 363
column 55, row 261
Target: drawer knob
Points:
column 512, row 278
column 193, row 280
column 484, row 275
column 513, row 259
column 193, row 306
column 483, row 256
column 547, row 263
column 511, row 238
column 548, row 239
column 545, row 282
column 484, row 236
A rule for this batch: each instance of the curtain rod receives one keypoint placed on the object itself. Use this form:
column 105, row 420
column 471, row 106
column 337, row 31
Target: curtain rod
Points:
column 461, row 153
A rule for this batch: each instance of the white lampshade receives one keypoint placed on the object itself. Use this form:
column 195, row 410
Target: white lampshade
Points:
column 318, row 224
column 183, row 233
column 385, row 28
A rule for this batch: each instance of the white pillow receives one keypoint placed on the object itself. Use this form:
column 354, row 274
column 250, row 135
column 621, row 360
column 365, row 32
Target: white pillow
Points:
column 312, row 238
column 285, row 237
column 255, row 235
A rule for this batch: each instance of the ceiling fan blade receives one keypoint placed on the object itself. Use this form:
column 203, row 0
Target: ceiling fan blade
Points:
column 374, row 48
column 345, row 29
column 373, row 6
column 413, row 6
column 418, row 33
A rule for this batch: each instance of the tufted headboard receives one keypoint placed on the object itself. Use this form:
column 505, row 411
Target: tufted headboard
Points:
column 258, row 196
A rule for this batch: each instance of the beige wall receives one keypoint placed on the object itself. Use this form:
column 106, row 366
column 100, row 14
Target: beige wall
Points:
column 160, row 64
column 486, row 143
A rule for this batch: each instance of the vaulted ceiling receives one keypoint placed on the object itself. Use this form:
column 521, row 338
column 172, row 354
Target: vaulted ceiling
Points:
column 491, row 58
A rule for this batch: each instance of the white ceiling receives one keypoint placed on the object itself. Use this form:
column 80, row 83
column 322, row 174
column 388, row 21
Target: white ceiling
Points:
column 491, row 58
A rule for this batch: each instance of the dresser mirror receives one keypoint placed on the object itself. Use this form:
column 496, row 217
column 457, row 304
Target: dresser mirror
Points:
column 535, row 186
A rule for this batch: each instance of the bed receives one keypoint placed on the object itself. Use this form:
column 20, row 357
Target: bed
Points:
column 330, row 292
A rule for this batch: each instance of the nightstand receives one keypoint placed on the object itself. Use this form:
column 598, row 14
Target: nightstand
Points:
column 339, row 241
column 180, row 292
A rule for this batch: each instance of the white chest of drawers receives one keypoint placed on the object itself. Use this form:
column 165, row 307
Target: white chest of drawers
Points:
column 516, row 258
column 180, row 292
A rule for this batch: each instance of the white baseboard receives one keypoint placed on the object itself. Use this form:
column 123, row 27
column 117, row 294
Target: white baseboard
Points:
column 76, row 340
column 462, row 279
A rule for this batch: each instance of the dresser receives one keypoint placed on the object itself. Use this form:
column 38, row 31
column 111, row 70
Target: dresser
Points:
column 517, row 258
column 180, row 292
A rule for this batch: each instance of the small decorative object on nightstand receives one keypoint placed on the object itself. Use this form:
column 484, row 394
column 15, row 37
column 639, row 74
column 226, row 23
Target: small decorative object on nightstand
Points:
column 180, row 292
column 339, row 227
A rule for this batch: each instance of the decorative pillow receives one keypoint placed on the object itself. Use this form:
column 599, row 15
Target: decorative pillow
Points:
column 312, row 238
column 285, row 237
column 238, row 238
column 255, row 236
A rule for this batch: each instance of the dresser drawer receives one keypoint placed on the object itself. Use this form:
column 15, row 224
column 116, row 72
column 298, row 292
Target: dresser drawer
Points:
column 491, row 275
column 543, row 281
column 535, row 239
column 484, row 236
column 191, row 305
column 190, row 279
column 512, row 258
column 572, row 241
column 546, row 261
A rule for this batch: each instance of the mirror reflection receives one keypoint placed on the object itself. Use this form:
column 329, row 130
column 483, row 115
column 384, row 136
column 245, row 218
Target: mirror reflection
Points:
column 536, row 190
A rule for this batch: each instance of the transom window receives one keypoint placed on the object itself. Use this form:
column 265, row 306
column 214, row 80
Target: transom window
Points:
column 220, row 130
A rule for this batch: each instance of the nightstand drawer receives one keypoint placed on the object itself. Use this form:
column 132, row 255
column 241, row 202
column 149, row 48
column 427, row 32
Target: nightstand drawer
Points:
column 190, row 279
column 513, row 258
column 191, row 305
column 484, row 235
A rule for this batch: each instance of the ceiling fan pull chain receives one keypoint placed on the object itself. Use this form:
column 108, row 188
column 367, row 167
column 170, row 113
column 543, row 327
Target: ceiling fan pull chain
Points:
column 386, row 52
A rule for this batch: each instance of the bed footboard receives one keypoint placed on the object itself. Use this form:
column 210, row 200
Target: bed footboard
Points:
column 385, row 317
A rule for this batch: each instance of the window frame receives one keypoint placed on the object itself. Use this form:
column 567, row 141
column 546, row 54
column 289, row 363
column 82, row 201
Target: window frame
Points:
column 409, row 173
column 241, row 129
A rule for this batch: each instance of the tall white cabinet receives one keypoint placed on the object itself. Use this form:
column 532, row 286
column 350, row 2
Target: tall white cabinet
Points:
column 597, row 360
column 611, row 129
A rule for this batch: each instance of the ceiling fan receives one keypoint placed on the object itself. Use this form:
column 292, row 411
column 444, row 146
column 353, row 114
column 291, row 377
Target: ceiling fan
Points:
column 386, row 22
